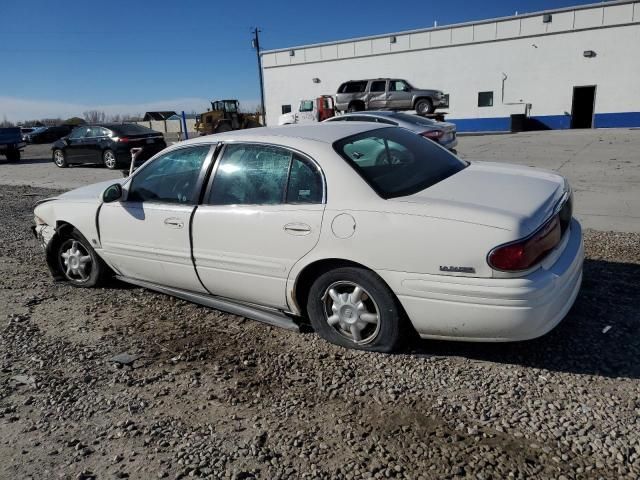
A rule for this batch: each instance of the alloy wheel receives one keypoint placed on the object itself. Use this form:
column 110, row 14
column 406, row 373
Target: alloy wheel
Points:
column 75, row 261
column 352, row 312
column 58, row 158
column 110, row 159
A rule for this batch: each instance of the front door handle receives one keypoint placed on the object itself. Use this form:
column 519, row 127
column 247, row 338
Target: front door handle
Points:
column 173, row 222
column 297, row 229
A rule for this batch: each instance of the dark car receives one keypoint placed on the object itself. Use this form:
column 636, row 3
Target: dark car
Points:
column 107, row 143
column 49, row 134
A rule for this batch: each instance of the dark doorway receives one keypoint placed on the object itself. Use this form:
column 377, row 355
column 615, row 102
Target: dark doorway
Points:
column 584, row 99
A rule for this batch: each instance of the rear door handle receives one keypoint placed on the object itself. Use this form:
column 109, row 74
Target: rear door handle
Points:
column 173, row 222
column 297, row 229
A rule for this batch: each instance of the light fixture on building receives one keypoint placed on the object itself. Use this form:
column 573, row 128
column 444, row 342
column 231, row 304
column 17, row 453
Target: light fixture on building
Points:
column 292, row 53
column 315, row 80
column 589, row 53
column 392, row 39
column 546, row 18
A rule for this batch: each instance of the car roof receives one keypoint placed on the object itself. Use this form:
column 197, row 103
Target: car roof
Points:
column 320, row 132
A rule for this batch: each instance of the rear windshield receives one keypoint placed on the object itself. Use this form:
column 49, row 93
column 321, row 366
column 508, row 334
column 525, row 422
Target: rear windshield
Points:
column 131, row 129
column 397, row 162
column 416, row 120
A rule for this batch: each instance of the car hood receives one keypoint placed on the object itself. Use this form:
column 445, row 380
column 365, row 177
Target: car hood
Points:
column 90, row 192
column 498, row 195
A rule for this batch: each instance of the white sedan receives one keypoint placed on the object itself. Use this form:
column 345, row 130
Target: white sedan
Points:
column 367, row 231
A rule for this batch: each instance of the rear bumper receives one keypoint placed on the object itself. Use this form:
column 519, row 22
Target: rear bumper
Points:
column 493, row 309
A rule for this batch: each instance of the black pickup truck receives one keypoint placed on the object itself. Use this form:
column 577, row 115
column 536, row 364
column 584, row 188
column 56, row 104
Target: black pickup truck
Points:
column 11, row 143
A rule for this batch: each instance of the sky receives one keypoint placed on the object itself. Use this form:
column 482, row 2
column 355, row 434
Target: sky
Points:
column 133, row 56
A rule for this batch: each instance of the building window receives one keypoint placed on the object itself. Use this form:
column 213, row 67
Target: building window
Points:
column 485, row 99
column 286, row 109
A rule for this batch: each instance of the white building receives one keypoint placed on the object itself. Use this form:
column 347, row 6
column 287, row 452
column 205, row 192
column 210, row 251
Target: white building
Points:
column 542, row 59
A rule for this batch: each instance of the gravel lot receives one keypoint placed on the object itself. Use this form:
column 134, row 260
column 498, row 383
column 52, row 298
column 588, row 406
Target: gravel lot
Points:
column 213, row 395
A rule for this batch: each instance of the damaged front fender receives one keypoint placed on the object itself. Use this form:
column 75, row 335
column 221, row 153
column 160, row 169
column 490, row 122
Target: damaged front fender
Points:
column 47, row 237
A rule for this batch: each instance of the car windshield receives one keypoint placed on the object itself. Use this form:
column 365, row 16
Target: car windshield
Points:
column 397, row 162
column 131, row 129
column 416, row 120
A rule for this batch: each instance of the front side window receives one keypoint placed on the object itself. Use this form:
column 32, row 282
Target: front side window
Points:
column 398, row 86
column 78, row 132
column 397, row 162
column 171, row 178
column 264, row 175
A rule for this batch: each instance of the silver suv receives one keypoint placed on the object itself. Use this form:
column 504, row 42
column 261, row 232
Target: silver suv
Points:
column 388, row 94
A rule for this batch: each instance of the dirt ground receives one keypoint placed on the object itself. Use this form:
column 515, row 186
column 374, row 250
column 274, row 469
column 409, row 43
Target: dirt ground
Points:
column 217, row 396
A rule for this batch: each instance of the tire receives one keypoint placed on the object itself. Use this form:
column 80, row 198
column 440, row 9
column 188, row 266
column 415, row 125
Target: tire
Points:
column 332, row 292
column 355, row 107
column 60, row 159
column 78, row 262
column 424, row 106
column 110, row 160
column 13, row 156
column 223, row 127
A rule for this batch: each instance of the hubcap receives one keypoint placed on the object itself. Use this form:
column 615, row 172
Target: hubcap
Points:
column 352, row 312
column 109, row 160
column 75, row 260
column 59, row 157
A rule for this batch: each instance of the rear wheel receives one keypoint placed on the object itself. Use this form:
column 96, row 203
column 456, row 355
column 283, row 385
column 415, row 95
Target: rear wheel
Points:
column 109, row 159
column 353, row 307
column 79, row 263
column 59, row 158
column 355, row 107
column 424, row 106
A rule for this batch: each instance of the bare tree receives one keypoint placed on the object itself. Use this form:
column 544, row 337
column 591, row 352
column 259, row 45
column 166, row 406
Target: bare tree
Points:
column 6, row 123
column 94, row 116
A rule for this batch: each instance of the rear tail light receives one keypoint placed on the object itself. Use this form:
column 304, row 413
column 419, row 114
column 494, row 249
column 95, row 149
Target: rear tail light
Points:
column 124, row 139
column 433, row 134
column 524, row 254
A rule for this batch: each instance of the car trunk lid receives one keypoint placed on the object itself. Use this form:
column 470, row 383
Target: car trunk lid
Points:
column 510, row 197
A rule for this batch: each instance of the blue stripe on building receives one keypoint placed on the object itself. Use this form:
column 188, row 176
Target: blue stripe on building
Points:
column 545, row 122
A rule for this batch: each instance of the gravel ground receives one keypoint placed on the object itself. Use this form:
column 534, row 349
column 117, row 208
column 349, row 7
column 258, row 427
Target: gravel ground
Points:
column 213, row 395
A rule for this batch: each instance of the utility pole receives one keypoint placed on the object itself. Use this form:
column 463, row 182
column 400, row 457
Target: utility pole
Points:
column 256, row 44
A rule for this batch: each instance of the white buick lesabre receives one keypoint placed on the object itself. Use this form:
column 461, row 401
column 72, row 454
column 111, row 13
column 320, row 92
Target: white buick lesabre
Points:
column 361, row 229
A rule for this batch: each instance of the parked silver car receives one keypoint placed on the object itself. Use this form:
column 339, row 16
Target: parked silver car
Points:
column 388, row 94
column 443, row 133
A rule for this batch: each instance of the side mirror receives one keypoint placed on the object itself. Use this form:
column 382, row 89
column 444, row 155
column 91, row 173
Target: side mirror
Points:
column 113, row 193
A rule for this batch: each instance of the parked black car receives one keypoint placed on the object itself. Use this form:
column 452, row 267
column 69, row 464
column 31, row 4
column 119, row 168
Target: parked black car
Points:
column 107, row 143
column 49, row 134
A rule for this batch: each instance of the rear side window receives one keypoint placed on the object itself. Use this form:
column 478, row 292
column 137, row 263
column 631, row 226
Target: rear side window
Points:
column 353, row 87
column 264, row 175
column 397, row 162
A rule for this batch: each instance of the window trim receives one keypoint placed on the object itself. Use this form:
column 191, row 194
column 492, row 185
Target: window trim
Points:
column 204, row 171
column 305, row 157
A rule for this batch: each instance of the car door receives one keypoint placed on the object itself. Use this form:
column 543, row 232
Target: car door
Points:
column 93, row 144
column 378, row 94
column 307, row 112
column 262, row 213
column 147, row 235
column 74, row 145
column 399, row 96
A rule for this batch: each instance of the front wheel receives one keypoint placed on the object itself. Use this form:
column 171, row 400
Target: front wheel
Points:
column 110, row 160
column 424, row 106
column 59, row 158
column 354, row 308
column 13, row 156
column 79, row 263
